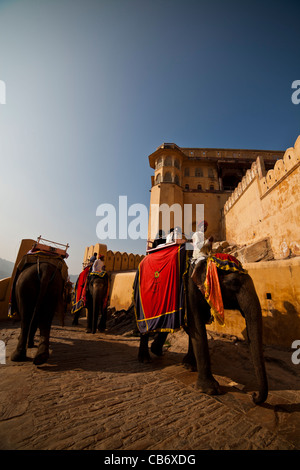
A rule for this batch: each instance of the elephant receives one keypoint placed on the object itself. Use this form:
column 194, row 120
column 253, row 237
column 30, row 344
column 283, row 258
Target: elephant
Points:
column 238, row 292
column 96, row 298
column 38, row 294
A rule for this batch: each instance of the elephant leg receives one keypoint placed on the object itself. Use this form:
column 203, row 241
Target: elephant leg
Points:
column 32, row 332
column 189, row 360
column 103, row 318
column 197, row 315
column 157, row 344
column 42, row 354
column 206, row 383
column 144, row 355
column 89, row 319
column 76, row 317
column 19, row 355
column 94, row 320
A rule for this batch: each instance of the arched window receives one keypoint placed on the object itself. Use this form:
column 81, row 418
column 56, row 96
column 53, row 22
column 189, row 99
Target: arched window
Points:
column 187, row 187
column 168, row 177
column 168, row 161
column 211, row 187
column 176, row 164
column 176, row 179
column 158, row 162
column 199, row 187
column 158, row 178
column 198, row 172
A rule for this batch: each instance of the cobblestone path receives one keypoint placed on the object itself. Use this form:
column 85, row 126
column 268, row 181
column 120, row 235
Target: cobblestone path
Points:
column 93, row 394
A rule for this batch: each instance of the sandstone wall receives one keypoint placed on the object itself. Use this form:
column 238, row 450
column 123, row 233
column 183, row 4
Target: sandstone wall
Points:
column 114, row 260
column 267, row 205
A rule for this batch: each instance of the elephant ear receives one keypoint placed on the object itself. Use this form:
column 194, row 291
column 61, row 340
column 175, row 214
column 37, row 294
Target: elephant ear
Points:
column 232, row 281
column 199, row 273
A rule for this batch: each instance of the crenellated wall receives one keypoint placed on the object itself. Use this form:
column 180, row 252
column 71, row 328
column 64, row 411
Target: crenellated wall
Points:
column 114, row 260
column 267, row 205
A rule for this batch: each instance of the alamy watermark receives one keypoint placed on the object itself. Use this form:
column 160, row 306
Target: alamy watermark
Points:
column 2, row 92
column 134, row 222
column 296, row 94
column 2, row 352
column 296, row 354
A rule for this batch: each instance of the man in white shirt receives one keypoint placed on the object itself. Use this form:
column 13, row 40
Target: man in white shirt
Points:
column 201, row 246
column 98, row 264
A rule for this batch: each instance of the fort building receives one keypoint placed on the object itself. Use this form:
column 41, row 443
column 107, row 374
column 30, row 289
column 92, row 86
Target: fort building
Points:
column 251, row 203
column 201, row 176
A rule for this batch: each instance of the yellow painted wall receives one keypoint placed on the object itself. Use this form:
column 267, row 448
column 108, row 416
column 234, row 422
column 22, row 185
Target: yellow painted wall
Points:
column 124, row 261
column 117, row 261
column 131, row 261
column 121, row 290
column 114, row 260
column 109, row 261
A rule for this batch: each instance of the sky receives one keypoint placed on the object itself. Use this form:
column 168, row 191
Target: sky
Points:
column 93, row 87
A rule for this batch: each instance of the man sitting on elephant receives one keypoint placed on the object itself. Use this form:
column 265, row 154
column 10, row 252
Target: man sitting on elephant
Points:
column 202, row 247
column 98, row 264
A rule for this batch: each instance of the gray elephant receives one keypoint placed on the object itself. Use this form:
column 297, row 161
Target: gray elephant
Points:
column 238, row 292
column 96, row 292
column 37, row 295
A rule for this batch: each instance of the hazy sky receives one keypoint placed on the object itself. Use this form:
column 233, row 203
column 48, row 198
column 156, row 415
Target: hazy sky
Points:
column 95, row 86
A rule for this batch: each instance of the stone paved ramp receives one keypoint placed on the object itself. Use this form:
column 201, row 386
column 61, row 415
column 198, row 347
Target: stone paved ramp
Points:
column 93, row 394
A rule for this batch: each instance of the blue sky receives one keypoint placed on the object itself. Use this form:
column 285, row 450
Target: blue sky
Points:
column 94, row 86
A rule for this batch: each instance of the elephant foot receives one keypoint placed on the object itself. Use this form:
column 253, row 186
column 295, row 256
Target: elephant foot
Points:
column 208, row 386
column 144, row 357
column 189, row 362
column 18, row 356
column 75, row 322
column 42, row 354
column 156, row 349
column 41, row 358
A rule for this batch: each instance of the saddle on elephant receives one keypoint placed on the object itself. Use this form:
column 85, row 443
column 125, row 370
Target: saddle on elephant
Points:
column 211, row 288
column 159, row 289
column 36, row 257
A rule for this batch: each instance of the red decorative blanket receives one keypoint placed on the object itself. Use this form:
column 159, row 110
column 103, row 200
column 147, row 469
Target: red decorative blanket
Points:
column 212, row 288
column 159, row 290
column 80, row 290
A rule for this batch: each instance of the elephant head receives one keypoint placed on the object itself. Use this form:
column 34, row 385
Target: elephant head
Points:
column 96, row 297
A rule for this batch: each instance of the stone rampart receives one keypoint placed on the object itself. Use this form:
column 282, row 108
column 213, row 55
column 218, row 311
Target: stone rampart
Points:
column 267, row 205
column 114, row 260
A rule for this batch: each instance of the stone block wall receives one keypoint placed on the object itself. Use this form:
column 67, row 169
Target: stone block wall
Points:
column 114, row 260
column 267, row 205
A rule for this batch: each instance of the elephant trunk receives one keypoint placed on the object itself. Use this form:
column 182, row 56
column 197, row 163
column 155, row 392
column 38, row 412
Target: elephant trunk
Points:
column 253, row 317
column 96, row 307
column 256, row 349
